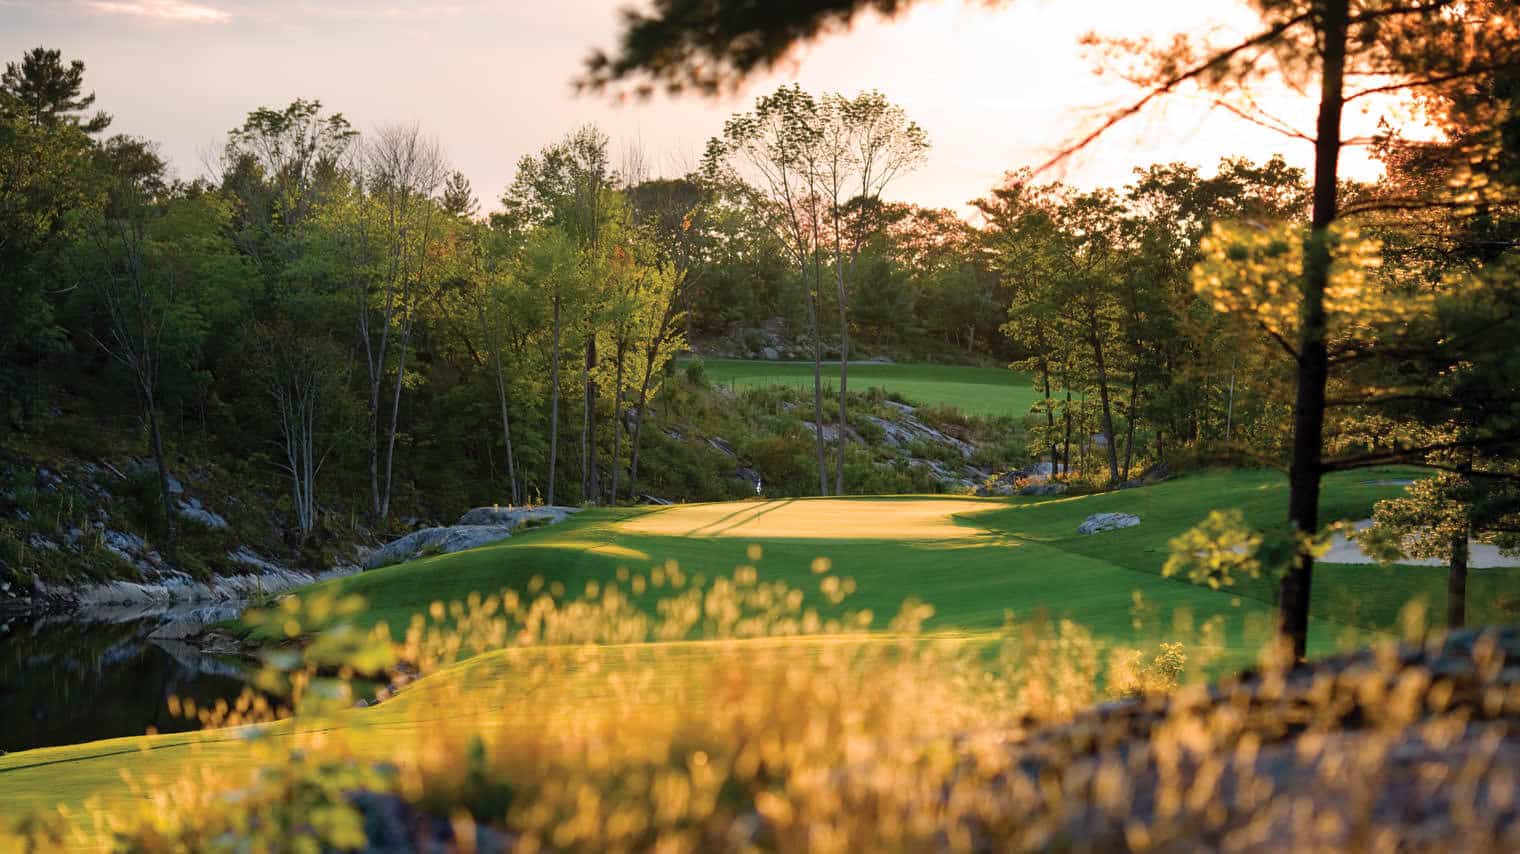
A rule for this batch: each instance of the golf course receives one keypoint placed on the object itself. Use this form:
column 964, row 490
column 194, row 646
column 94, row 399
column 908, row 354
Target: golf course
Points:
column 975, row 560
column 726, row 437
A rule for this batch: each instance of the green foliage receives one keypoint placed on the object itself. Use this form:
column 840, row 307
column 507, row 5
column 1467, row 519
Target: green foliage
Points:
column 1216, row 552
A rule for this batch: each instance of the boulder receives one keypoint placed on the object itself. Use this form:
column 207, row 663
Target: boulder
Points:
column 455, row 538
column 771, row 354
column 193, row 510
column 1044, row 488
column 478, row 527
column 1099, row 522
column 513, row 517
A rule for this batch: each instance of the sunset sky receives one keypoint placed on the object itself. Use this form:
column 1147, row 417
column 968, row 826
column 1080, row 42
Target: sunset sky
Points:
column 996, row 88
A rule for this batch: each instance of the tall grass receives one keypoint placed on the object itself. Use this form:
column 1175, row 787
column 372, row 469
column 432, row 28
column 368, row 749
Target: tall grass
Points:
column 730, row 717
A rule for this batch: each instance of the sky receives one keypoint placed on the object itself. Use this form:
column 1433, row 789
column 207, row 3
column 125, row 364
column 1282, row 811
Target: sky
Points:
column 997, row 87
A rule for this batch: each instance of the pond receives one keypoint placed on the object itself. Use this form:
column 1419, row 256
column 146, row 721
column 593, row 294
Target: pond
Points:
column 80, row 677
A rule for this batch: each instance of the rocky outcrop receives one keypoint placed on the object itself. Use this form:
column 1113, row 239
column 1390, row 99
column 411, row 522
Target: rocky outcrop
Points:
column 1417, row 746
column 169, row 588
column 907, row 428
column 192, row 509
column 455, row 538
column 1099, row 522
column 478, row 527
column 514, row 517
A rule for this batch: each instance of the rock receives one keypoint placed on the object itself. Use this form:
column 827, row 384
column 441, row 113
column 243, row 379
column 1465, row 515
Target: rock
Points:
column 1099, row 522
column 477, row 527
column 193, row 510
column 750, row 476
column 831, row 432
column 771, row 354
column 392, row 824
column 900, row 434
column 247, row 557
column 1443, row 773
column 38, row 541
column 512, row 517
column 455, row 538
column 1131, row 484
column 656, row 500
column 721, row 445
column 22, row 515
column 1045, row 488
column 126, row 546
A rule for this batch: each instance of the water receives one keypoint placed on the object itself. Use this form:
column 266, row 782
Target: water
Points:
column 73, row 678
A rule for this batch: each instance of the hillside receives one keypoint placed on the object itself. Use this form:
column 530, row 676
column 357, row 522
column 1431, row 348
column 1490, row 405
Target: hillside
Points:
column 85, row 511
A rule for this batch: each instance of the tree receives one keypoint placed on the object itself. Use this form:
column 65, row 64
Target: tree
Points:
column 780, row 145
column 1403, row 46
column 49, row 186
column 458, row 198
column 569, row 185
column 279, row 166
column 867, row 141
column 548, row 267
column 302, row 370
column 396, row 229
column 677, row 214
column 149, row 262
column 46, row 94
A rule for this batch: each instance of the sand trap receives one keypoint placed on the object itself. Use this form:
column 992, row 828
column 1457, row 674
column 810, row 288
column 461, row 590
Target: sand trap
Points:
column 1480, row 555
column 814, row 518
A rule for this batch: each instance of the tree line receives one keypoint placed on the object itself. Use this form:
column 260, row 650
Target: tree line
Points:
column 1389, row 311
column 333, row 304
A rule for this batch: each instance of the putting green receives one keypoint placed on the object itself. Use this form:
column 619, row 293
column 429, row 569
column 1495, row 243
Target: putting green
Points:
column 816, row 519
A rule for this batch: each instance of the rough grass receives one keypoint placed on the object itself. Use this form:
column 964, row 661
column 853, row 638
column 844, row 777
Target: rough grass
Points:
column 972, row 390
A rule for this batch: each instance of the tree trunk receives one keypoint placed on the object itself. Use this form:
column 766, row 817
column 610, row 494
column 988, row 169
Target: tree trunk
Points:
column 1050, row 417
column 1229, row 407
column 390, row 440
column 590, row 481
column 1129, row 427
column 501, row 401
column 554, row 400
column 170, row 532
column 844, row 361
column 374, row 449
column 1108, row 415
column 1066, row 412
column 1313, row 359
column 812, row 304
column 1456, row 581
column 506, row 427
column 617, row 418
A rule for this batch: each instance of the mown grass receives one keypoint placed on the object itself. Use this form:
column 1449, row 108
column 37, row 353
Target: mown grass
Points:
column 974, row 560
column 972, row 390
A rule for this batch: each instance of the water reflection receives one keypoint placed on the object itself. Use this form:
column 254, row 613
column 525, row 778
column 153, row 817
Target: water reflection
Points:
column 76, row 678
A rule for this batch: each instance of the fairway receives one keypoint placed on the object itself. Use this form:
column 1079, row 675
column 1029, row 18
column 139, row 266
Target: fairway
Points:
column 972, row 390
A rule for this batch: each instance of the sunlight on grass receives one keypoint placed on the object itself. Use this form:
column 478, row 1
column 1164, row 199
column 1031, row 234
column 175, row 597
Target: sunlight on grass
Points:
column 816, row 518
